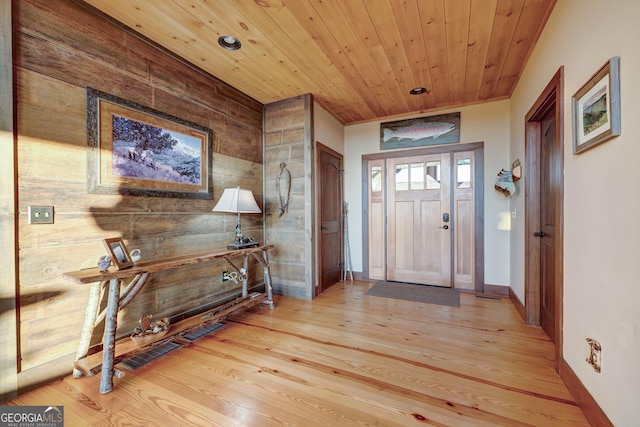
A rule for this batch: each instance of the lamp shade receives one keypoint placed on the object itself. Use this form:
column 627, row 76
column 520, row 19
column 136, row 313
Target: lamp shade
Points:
column 236, row 200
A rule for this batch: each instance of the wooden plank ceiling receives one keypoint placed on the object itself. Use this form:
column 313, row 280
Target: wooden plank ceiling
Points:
column 359, row 58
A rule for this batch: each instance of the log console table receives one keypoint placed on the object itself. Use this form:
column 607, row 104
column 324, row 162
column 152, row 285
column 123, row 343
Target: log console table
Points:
column 104, row 361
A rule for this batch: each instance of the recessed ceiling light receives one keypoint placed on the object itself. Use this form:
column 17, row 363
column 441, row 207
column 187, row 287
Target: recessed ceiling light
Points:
column 229, row 42
column 418, row 90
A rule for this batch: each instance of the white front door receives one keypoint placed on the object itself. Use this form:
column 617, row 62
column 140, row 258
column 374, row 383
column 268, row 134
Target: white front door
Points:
column 419, row 227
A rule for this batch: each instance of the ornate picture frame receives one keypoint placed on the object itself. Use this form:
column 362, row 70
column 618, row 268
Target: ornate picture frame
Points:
column 134, row 150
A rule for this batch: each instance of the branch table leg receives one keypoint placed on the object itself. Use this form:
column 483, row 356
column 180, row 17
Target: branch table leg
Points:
column 245, row 276
column 89, row 323
column 130, row 291
column 267, row 276
column 109, row 345
column 267, row 279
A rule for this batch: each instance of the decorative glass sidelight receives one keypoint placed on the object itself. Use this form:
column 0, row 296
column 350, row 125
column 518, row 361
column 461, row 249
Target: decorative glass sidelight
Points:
column 376, row 178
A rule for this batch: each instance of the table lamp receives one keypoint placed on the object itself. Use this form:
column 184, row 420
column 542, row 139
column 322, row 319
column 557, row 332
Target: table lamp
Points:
column 236, row 200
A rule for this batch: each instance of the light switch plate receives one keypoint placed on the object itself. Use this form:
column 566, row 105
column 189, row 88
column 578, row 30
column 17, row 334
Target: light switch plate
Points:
column 40, row 214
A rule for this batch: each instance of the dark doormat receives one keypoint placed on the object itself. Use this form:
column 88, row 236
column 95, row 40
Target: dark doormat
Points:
column 418, row 293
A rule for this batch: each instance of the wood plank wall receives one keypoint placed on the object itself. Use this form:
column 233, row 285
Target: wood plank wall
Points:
column 8, row 337
column 288, row 139
column 61, row 47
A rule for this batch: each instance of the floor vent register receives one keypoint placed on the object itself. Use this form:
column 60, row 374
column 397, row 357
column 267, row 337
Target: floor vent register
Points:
column 156, row 352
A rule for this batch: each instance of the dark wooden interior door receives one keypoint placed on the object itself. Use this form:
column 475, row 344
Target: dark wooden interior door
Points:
column 543, row 205
column 549, row 203
column 330, row 210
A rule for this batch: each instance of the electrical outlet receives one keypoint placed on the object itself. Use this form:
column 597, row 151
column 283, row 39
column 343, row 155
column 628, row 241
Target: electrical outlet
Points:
column 40, row 214
column 225, row 276
column 595, row 354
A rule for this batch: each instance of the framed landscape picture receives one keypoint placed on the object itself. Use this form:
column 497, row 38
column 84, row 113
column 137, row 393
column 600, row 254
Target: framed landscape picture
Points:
column 596, row 108
column 138, row 151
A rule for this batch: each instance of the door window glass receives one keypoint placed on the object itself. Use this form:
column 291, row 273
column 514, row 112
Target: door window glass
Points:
column 417, row 176
column 433, row 175
column 402, row 177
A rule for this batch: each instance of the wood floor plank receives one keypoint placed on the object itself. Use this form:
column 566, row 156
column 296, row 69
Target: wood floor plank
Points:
column 354, row 401
column 343, row 359
column 498, row 340
column 435, row 349
column 283, row 396
column 393, row 373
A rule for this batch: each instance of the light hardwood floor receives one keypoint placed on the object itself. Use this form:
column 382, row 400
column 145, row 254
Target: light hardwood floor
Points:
column 344, row 359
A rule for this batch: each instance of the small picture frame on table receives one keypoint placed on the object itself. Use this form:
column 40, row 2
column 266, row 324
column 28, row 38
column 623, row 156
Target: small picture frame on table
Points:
column 118, row 252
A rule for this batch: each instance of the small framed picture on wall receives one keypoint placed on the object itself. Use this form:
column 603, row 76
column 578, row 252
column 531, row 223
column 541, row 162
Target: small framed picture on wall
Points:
column 596, row 108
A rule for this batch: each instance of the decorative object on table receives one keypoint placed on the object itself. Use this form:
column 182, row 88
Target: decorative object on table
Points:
column 238, row 201
column 135, row 150
column 231, row 275
column 148, row 331
column 118, row 252
column 104, row 262
column 136, row 255
column 283, row 189
column 596, row 108
column 422, row 131
column 507, row 179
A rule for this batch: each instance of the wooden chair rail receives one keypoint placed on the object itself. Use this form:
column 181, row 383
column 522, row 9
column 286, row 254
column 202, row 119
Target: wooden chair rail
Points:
column 116, row 300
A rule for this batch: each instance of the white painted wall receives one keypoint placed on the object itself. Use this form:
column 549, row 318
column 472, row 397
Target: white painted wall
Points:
column 328, row 131
column 601, row 199
column 488, row 123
